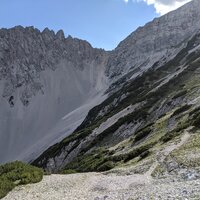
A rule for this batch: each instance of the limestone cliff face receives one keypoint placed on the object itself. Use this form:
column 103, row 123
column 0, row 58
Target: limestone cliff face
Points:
column 44, row 77
column 156, row 41
column 26, row 52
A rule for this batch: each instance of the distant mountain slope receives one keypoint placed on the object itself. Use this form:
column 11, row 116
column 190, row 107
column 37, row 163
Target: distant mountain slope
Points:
column 44, row 77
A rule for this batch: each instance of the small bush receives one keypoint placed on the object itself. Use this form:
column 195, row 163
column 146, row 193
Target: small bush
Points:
column 17, row 173
column 69, row 171
column 86, row 163
column 195, row 111
column 5, row 187
column 176, row 132
column 196, row 120
column 106, row 166
column 118, row 158
column 181, row 110
column 144, row 154
column 142, row 134
column 138, row 151
column 180, row 94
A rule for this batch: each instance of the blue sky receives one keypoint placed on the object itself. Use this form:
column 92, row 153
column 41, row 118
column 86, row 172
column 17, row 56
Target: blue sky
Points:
column 104, row 23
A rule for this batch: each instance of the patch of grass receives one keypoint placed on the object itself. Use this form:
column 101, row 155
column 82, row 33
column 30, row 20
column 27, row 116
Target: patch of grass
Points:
column 189, row 154
column 144, row 154
column 182, row 109
column 175, row 132
column 5, row 187
column 196, row 120
column 87, row 163
column 180, row 94
column 195, row 111
column 69, row 171
column 106, row 166
column 158, row 172
column 17, row 173
column 138, row 151
column 142, row 134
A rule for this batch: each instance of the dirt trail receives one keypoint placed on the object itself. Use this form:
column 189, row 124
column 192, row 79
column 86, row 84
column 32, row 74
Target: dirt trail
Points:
column 160, row 157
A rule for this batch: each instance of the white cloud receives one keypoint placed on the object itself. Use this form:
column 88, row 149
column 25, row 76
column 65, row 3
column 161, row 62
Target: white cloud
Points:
column 164, row 6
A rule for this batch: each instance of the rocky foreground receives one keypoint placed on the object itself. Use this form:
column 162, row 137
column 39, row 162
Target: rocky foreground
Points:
column 96, row 186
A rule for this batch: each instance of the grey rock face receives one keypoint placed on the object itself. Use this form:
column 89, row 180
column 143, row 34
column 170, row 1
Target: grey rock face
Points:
column 25, row 52
column 43, row 77
column 155, row 41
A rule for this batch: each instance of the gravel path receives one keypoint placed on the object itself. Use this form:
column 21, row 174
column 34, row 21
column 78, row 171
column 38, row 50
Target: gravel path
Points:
column 98, row 186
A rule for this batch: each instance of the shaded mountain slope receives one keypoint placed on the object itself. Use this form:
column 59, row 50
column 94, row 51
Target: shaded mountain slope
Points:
column 44, row 77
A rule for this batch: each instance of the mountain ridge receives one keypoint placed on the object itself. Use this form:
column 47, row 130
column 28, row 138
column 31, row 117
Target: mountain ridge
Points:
column 37, row 67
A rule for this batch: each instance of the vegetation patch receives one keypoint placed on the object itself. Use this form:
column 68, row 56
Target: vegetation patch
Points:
column 183, row 124
column 142, row 134
column 158, row 172
column 17, row 173
column 189, row 154
column 144, row 154
column 182, row 109
column 196, row 120
column 69, row 171
column 88, row 162
column 180, row 94
column 106, row 166
column 138, row 151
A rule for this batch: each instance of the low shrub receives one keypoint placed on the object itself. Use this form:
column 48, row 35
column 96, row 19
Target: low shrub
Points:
column 118, row 158
column 137, row 152
column 17, row 173
column 5, row 187
column 175, row 132
column 106, row 166
column 144, row 154
column 86, row 163
column 196, row 120
column 180, row 94
column 69, row 171
column 181, row 110
column 142, row 134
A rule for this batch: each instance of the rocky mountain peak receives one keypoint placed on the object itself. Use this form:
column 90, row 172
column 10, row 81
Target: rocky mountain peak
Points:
column 26, row 52
column 158, row 39
column 60, row 34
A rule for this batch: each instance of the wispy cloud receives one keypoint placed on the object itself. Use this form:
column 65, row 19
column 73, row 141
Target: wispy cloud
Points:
column 163, row 6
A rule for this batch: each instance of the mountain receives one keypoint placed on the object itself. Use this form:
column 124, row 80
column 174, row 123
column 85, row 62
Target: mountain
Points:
column 158, row 40
column 48, row 83
column 67, row 106
column 152, row 103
